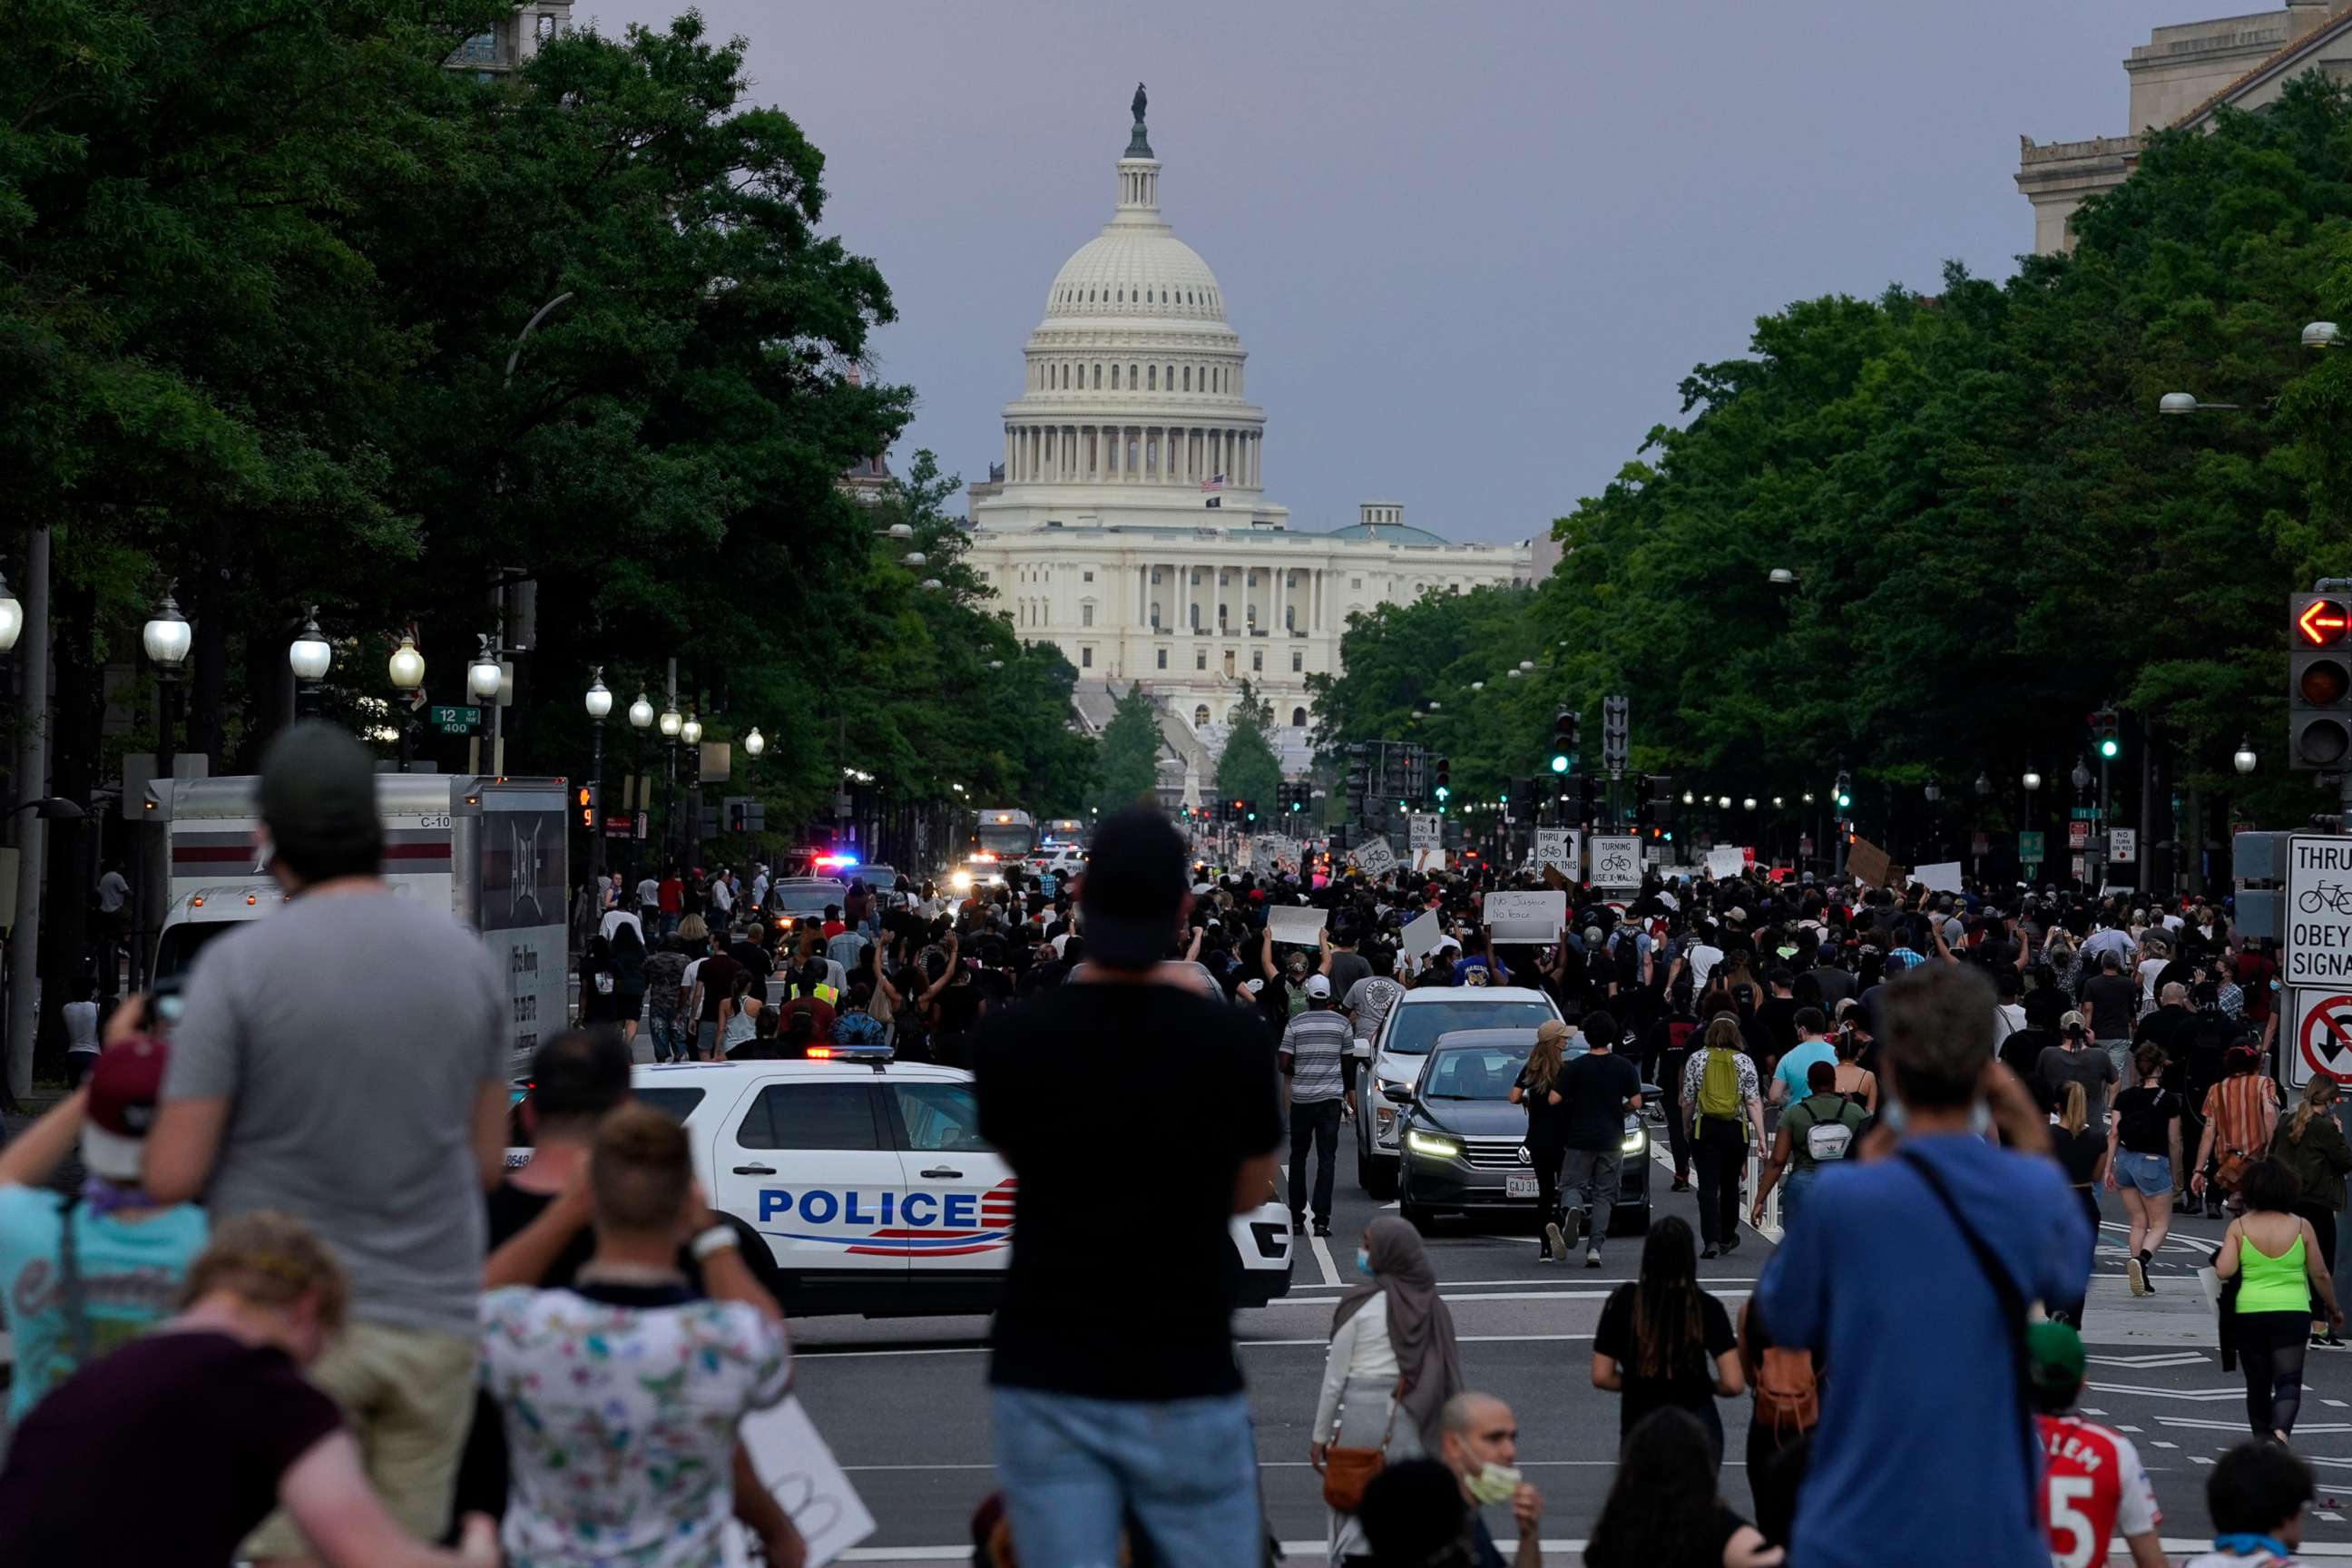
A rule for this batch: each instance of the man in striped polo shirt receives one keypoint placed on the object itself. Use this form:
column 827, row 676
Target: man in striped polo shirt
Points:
column 1314, row 1045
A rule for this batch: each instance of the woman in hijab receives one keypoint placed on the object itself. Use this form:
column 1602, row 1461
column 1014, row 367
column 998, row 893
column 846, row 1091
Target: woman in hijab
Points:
column 1392, row 1363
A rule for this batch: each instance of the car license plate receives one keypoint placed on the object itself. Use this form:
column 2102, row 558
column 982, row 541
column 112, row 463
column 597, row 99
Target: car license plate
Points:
column 1519, row 1186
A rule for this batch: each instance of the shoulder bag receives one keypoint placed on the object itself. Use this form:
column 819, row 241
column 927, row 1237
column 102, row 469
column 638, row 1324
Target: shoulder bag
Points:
column 1347, row 1471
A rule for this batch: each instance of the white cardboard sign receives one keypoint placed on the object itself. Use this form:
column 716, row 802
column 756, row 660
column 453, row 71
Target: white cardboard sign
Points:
column 794, row 1463
column 1943, row 877
column 1525, row 917
column 1726, row 860
column 1374, row 858
column 1420, row 934
column 1296, row 927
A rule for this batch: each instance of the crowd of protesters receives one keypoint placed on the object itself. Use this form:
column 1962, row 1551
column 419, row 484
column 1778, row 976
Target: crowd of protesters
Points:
column 302, row 1295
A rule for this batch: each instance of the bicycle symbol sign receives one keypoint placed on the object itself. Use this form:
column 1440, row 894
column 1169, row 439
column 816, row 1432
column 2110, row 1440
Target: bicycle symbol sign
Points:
column 2319, row 912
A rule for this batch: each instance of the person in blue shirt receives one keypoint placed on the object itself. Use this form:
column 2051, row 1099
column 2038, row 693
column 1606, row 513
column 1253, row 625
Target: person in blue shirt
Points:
column 1926, row 1453
column 129, row 1254
column 1789, row 1081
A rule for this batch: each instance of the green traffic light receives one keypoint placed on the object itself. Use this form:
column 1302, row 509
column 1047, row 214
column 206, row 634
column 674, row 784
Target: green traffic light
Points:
column 2110, row 748
column 1443, row 793
column 1845, row 801
column 1558, row 762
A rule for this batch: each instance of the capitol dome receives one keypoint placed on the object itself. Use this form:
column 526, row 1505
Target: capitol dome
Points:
column 1133, row 384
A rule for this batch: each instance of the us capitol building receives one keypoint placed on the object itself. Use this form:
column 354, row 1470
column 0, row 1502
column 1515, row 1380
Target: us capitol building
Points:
column 1130, row 525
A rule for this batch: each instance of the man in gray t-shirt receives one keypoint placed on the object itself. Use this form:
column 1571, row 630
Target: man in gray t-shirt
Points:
column 343, row 1060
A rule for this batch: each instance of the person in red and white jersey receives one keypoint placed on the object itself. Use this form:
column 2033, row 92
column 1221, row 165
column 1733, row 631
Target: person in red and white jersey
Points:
column 2094, row 1488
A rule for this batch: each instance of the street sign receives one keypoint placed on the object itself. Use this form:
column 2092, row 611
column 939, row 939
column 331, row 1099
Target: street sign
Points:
column 2078, row 836
column 2319, row 912
column 1616, row 860
column 2123, row 845
column 2028, row 848
column 2080, row 869
column 454, row 720
column 1979, row 844
column 1421, row 832
column 2084, row 813
column 2323, row 1037
column 1557, row 846
column 620, row 823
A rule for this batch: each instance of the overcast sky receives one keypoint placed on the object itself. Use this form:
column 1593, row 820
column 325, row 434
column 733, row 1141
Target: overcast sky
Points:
column 1470, row 247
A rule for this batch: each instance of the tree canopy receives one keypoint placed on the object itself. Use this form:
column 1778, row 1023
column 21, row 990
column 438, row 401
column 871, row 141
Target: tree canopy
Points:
column 1988, row 529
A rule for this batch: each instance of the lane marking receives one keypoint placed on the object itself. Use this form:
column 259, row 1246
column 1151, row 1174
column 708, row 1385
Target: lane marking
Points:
column 1569, row 1277
column 1322, row 1251
column 1238, row 1344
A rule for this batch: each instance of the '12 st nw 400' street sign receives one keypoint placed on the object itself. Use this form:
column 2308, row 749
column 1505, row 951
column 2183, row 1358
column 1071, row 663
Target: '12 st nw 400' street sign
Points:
column 2318, row 910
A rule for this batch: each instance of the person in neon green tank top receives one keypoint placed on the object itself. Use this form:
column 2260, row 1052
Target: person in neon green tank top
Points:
column 2274, row 1256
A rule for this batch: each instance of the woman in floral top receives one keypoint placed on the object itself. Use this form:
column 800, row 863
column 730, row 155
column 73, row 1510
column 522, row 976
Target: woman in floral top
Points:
column 622, row 1393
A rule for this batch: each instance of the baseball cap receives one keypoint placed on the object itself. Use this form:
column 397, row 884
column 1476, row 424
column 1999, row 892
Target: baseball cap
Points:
column 1550, row 1029
column 2072, row 1021
column 1318, row 986
column 123, row 1089
column 2054, row 1356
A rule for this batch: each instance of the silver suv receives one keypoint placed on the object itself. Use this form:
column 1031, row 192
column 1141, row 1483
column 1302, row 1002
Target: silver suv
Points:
column 1412, row 1027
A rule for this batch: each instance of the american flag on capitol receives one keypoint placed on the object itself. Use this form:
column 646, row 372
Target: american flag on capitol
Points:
column 1213, row 482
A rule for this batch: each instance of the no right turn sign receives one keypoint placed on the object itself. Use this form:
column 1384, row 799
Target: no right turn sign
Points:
column 2322, row 1044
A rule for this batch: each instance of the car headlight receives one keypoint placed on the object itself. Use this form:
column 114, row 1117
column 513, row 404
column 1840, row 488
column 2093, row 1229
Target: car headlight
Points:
column 961, row 881
column 1635, row 1139
column 1431, row 1144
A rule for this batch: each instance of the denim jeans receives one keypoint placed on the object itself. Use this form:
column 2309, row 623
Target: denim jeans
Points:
column 1593, row 1174
column 1186, row 1468
column 1794, row 1186
column 669, row 1034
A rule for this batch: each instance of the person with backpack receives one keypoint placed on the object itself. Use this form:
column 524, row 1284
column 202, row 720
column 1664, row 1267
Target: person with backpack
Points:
column 1786, row 1381
column 1819, row 1129
column 1719, row 1089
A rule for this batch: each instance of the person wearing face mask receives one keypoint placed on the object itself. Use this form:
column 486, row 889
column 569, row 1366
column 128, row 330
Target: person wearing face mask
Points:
column 1480, row 1447
column 1392, row 1367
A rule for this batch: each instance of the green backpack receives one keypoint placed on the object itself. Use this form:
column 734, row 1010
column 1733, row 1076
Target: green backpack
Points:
column 1718, row 1086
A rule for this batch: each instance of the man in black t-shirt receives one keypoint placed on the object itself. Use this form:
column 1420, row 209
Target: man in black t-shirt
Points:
column 1595, row 1091
column 1116, row 1394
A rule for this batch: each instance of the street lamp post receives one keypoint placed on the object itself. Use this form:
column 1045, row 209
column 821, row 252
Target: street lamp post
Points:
column 599, row 703
column 405, row 669
column 641, row 718
column 670, row 724
column 309, row 656
column 167, row 638
column 486, row 677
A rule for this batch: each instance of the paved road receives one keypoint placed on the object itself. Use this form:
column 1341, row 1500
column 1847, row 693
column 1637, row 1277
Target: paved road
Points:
column 904, row 1403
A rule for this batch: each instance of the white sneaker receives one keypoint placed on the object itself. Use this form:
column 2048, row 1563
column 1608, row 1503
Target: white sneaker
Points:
column 2137, row 1275
column 1557, row 1242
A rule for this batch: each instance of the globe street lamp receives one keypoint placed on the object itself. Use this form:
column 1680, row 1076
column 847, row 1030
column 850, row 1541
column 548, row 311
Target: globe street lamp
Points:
column 405, row 670
column 641, row 713
column 485, row 676
column 2243, row 759
column 309, row 656
column 599, row 703
column 691, row 730
column 754, row 743
column 1747, row 803
column 167, row 638
column 670, row 724
column 2080, row 776
column 12, row 617
column 2032, row 781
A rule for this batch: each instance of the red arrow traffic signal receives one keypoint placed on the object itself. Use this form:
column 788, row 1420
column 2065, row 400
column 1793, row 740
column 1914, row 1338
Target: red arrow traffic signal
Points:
column 2323, row 622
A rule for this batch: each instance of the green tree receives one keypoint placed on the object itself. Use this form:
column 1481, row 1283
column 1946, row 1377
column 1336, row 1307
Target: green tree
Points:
column 1247, row 768
column 1127, row 759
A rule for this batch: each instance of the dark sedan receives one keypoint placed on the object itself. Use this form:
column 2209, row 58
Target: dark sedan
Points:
column 1464, row 1144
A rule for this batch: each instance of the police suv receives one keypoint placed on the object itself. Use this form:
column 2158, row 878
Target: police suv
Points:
column 869, row 1187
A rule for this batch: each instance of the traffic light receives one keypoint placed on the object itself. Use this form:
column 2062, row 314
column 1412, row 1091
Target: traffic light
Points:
column 2319, row 681
column 1358, row 782
column 1444, row 788
column 2107, row 734
column 1845, row 790
column 585, row 799
column 1565, row 722
column 1658, row 811
column 1247, row 810
column 1588, row 801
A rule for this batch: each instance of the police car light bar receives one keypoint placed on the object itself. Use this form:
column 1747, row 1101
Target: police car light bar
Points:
column 875, row 1054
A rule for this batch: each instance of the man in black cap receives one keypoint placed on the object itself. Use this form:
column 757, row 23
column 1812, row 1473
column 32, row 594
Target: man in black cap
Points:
column 343, row 1060
column 1115, row 1391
